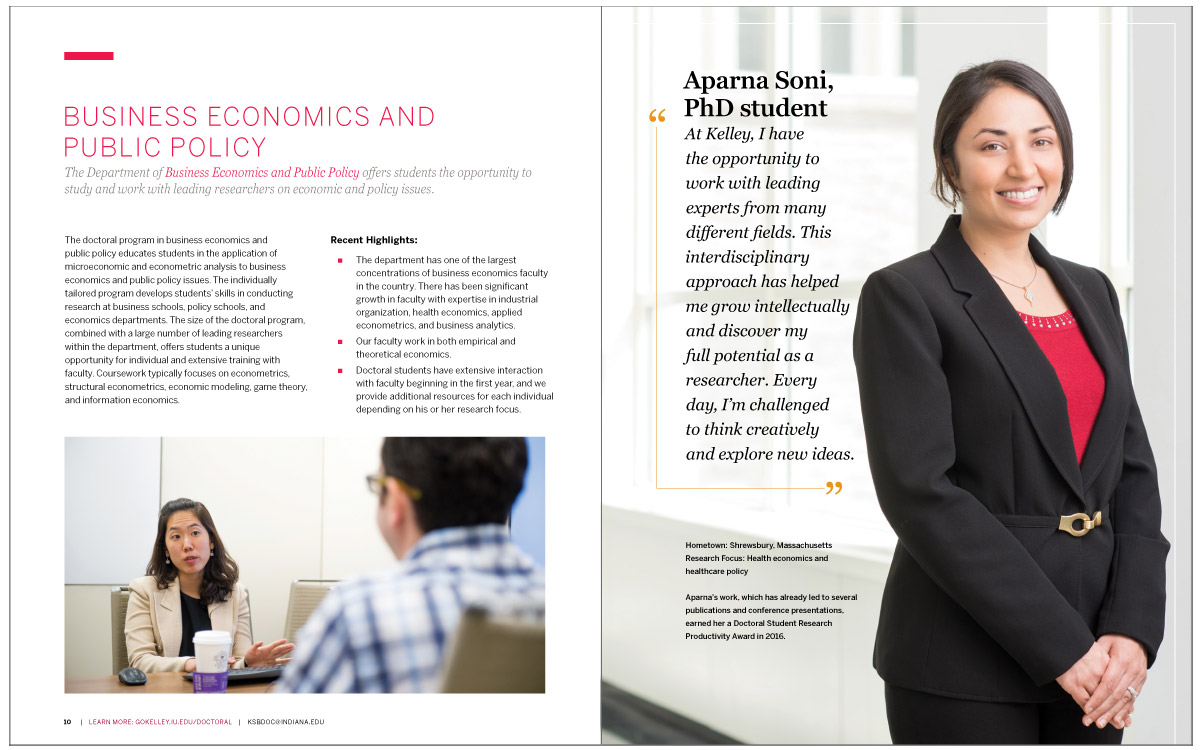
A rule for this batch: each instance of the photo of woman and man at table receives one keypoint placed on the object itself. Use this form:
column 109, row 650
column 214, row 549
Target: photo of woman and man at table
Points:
column 443, row 508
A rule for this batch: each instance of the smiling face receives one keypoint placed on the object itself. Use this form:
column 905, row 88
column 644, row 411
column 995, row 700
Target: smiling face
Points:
column 188, row 542
column 1009, row 164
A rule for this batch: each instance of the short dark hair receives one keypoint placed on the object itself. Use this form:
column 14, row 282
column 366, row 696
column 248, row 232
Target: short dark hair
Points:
column 462, row 481
column 221, row 572
column 964, row 94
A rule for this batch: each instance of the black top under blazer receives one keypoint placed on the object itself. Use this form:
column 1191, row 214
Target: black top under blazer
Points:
column 971, row 452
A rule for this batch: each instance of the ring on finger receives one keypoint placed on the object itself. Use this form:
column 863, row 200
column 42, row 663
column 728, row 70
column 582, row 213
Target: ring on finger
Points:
column 1133, row 694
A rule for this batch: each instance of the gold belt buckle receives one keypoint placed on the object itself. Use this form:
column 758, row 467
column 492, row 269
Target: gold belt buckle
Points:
column 1067, row 523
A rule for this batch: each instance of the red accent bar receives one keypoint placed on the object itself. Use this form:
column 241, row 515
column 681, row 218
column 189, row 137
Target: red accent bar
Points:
column 87, row 55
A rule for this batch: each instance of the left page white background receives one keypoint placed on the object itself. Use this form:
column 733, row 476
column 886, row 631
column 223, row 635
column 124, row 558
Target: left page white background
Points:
column 510, row 88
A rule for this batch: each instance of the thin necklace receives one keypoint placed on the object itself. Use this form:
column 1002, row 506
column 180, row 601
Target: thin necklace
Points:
column 1025, row 288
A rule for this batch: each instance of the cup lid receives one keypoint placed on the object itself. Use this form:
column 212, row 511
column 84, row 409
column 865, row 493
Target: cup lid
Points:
column 211, row 638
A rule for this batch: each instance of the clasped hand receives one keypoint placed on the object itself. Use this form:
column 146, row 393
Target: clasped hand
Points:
column 1100, row 681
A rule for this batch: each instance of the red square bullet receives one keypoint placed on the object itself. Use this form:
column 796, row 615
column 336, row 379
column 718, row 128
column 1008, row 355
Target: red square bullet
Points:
column 339, row 341
column 339, row 370
column 339, row 260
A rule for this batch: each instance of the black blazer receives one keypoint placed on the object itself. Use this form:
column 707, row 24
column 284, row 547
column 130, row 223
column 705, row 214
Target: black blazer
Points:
column 971, row 453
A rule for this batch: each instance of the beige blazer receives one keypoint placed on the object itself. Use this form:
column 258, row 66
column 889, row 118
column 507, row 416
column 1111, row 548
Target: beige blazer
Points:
column 154, row 625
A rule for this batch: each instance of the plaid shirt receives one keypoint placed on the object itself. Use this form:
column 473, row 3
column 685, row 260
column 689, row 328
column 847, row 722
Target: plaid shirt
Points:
column 387, row 631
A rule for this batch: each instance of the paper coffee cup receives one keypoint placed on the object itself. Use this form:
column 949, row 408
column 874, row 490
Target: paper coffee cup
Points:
column 212, row 661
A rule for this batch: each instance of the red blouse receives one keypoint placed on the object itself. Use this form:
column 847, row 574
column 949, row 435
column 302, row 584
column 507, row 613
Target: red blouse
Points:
column 1078, row 371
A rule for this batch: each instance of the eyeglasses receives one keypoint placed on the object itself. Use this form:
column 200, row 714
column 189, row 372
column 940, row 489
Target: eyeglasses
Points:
column 375, row 485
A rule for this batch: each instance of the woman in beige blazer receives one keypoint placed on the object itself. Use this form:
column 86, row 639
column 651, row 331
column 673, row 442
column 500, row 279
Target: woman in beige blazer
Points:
column 190, row 577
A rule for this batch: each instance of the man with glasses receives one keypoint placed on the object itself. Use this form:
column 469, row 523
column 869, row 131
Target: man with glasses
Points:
column 443, row 510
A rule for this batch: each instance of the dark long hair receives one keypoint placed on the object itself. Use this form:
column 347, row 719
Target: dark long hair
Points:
column 221, row 572
column 965, row 93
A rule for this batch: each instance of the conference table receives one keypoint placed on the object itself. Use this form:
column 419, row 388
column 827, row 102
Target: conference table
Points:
column 156, row 682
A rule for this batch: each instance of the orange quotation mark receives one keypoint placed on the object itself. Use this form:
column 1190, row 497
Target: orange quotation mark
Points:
column 831, row 485
column 660, row 117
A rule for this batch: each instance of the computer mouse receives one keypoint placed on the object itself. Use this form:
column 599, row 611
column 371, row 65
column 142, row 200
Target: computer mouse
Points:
column 131, row 676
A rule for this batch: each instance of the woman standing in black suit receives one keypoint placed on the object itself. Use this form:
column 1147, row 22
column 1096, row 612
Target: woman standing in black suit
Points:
column 1026, row 597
